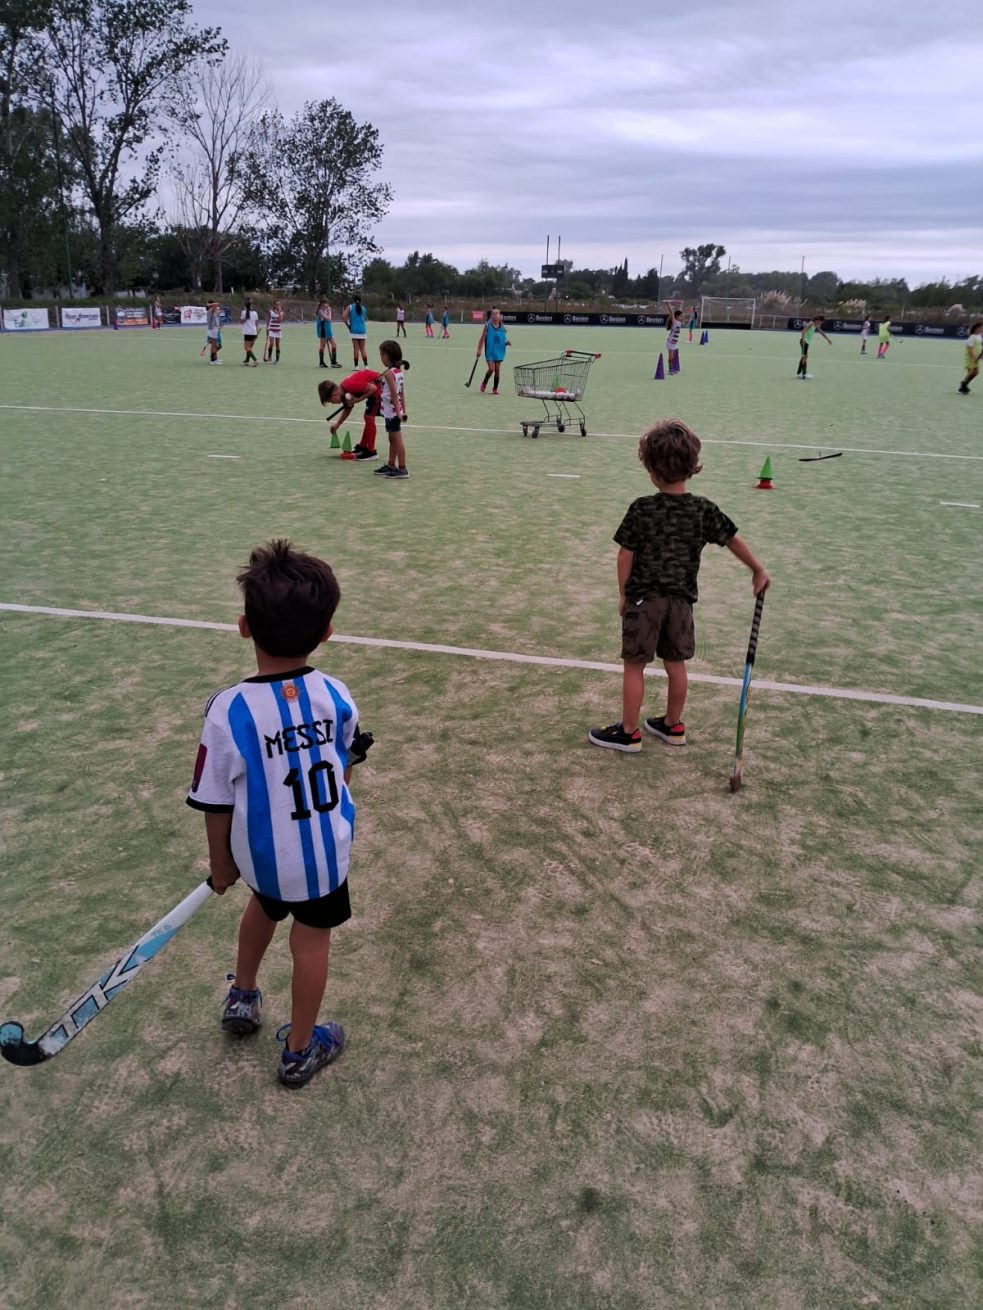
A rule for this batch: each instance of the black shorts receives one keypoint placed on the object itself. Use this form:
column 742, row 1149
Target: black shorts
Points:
column 805, row 348
column 325, row 912
column 393, row 424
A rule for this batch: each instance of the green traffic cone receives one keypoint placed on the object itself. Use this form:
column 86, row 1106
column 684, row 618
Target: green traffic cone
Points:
column 764, row 477
column 346, row 447
column 335, row 443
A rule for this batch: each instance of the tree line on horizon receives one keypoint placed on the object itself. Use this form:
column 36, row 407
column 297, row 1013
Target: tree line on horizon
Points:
column 106, row 106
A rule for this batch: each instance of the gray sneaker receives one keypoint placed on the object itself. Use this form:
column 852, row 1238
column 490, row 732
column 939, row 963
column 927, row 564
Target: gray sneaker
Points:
column 298, row 1068
column 241, row 1014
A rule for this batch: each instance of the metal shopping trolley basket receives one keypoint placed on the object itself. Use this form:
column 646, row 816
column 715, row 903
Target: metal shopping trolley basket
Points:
column 559, row 383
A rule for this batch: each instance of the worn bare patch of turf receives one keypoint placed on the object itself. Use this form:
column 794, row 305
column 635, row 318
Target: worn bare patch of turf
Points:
column 617, row 1037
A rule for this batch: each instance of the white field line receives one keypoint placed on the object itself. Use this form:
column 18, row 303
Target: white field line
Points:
column 563, row 475
column 960, row 504
column 281, row 418
column 510, row 657
column 223, row 457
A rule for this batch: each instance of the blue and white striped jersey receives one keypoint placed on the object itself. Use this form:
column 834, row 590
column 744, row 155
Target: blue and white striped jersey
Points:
column 273, row 751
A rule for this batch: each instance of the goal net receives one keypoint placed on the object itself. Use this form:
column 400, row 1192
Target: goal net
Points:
column 727, row 309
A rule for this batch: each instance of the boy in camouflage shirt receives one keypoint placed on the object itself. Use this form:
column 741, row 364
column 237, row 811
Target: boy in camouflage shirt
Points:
column 661, row 539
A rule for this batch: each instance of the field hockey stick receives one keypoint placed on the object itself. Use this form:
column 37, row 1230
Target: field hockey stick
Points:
column 473, row 369
column 752, row 646
column 82, row 1011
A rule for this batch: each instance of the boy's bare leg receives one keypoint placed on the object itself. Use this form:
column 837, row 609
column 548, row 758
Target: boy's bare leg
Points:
column 676, row 696
column 397, row 450
column 309, row 948
column 255, row 934
column 632, row 695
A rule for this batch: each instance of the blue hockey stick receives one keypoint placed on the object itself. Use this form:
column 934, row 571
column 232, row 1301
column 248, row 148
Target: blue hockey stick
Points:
column 82, row 1011
column 752, row 646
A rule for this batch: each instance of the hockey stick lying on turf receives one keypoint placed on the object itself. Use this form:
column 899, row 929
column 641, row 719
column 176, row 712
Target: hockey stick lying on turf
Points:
column 473, row 368
column 752, row 646
column 814, row 459
column 81, row 1012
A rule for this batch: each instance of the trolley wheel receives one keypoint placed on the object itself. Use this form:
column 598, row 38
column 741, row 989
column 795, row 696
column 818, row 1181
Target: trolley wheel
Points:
column 583, row 429
column 560, row 427
column 535, row 431
column 525, row 429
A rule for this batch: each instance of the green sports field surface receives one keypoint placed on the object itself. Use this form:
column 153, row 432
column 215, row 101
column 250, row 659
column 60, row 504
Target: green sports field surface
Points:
column 617, row 1038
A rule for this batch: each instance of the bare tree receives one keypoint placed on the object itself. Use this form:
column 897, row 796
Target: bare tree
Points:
column 224, row 102
column 188, row 220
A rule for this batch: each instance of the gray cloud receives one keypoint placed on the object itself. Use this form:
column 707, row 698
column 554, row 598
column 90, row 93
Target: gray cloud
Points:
column 847, row 133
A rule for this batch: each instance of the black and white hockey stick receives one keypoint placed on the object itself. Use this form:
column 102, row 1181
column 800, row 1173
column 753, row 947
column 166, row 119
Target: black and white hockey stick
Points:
column 82, row 1011
column 752, row 646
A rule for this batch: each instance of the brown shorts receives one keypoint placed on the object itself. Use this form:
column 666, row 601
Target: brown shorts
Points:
column 659, row 626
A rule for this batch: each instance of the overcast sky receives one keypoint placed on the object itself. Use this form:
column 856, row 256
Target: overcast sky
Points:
column 845, row 131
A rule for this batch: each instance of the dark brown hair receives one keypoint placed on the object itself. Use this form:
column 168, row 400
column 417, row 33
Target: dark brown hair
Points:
column 670, row 451
column 326, row 391
column 290, row 599
column 392, row 351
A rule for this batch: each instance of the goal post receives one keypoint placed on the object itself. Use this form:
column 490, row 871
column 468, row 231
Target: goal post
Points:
column 723, row 310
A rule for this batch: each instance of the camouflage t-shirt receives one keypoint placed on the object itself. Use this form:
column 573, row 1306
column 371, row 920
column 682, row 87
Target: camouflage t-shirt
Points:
column 667, row 534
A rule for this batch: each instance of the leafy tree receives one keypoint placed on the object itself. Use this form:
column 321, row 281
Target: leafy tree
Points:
column 823, row 288
column 425, row 275
column 699, row 265
column 619, row 280
column 378, row 277
column 648, row 286
column 488, row 279
column 595, row 279
column 28, row 181
column 312, row 181
column 169, row 262
column 114, row 69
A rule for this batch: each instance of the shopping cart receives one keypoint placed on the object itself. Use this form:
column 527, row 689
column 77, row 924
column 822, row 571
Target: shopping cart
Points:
column 557, row 382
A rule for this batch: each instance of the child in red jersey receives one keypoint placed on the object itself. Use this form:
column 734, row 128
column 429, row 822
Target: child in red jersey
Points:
column 365, row 384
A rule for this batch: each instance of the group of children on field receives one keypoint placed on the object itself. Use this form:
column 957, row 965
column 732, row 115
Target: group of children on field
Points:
column 277, row 749
column 276, row 753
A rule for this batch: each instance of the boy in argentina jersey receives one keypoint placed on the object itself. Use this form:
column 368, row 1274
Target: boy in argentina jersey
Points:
column 271, row 777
